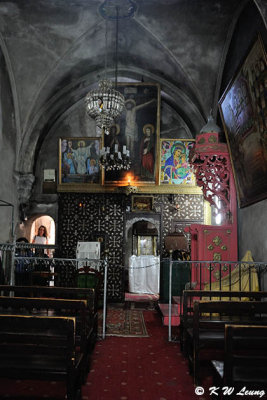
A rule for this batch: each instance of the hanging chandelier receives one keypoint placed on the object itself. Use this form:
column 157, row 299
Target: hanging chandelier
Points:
column 104, row 105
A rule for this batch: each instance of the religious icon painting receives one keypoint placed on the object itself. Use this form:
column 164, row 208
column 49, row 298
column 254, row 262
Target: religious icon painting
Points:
column 137, row 130
column 175, row 168
column 79, row 160
column 243, row 108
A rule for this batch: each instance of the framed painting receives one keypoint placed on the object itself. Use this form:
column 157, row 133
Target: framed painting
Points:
column 142, row 203
column 243, row 108
column 138, row 130
column 79, row 160
column 146, row 245
column 175, row 168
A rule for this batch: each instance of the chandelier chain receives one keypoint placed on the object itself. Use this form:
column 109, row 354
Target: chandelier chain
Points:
column 116, row 47
column 105, row 105
column 106, row 48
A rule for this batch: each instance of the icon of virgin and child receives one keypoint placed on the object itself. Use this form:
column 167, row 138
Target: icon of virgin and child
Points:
column 176, row 168
column 82, row 160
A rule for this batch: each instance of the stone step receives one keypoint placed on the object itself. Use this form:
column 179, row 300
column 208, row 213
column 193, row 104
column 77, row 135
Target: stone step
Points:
column 176, row 299
column 175, row 314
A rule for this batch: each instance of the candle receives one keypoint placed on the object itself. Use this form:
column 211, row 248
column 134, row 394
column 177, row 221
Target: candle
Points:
column 123, row 149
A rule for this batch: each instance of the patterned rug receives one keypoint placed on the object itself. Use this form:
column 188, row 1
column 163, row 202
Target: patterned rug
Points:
column 123, row 322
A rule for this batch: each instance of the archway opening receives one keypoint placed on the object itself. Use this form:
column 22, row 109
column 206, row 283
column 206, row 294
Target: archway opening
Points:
column 46, row 221
column 144, row 238
column 143, row 262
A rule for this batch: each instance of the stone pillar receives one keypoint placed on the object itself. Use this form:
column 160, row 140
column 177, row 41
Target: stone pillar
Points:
column 24, row 188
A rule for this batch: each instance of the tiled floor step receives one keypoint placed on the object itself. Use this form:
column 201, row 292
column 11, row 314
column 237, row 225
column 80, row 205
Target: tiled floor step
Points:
column 176, row 299
column 175, row 318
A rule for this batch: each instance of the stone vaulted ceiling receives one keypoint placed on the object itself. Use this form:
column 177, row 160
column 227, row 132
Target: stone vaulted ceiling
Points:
column 55, row 51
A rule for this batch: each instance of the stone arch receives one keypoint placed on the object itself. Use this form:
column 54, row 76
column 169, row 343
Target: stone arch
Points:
column 30, row 226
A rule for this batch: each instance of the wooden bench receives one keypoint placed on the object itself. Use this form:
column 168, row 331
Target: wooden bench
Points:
column 209, row 320
column 87, row 294
column 40, row 348
column 51, row 291
column 188, row 298
column 56, row 307
column 245, row 360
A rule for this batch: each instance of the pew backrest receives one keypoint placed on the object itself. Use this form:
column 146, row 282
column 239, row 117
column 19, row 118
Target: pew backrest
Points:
column 32, row 337
column 209, row 320
column 51, row 307
column 190, row 296
column 42, row 348
column 53, row 292
column 245, row 355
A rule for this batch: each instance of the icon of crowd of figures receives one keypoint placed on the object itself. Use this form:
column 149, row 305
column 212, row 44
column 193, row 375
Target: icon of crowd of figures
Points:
column 79, row 160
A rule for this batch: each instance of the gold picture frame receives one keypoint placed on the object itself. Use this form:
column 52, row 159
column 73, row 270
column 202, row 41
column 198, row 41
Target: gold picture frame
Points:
column 175, row 168
column 146, row 245
column 142, row 203
column 243, row 108
column 138, row 128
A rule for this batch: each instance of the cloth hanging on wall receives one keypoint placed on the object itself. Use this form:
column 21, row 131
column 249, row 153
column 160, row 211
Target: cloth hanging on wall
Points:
column 240, row 277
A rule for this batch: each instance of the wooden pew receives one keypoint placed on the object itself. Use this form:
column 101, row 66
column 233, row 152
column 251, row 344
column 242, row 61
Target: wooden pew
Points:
column 209, row 320
column 56, row 307
column 188, row 298
column 87, row 294
column 50, row 291
column 245, row 360
column 40, row 348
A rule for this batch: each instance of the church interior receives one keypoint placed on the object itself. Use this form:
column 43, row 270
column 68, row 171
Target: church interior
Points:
column 133, row 154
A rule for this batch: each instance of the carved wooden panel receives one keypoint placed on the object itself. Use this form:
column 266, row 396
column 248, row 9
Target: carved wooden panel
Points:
column 85, row 217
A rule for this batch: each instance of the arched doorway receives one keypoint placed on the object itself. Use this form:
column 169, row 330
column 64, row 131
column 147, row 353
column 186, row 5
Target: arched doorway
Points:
column 144, row 238
column 146, row 224
column 48, row 222
column 29, row 228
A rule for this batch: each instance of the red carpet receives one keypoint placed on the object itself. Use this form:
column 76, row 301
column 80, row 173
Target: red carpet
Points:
column 139, row 368
column 123, row 368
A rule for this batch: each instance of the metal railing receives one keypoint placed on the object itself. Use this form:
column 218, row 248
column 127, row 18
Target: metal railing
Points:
column 212, row 275
column 201, row 275
column 9, row 251
column 29, row 270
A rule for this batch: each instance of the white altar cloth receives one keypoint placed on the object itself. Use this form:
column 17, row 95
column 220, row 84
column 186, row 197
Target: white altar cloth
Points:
column 142, row 279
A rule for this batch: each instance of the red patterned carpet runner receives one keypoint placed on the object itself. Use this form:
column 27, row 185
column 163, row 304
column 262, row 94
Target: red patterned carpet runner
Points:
column 132, row 368
column 123, row 322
